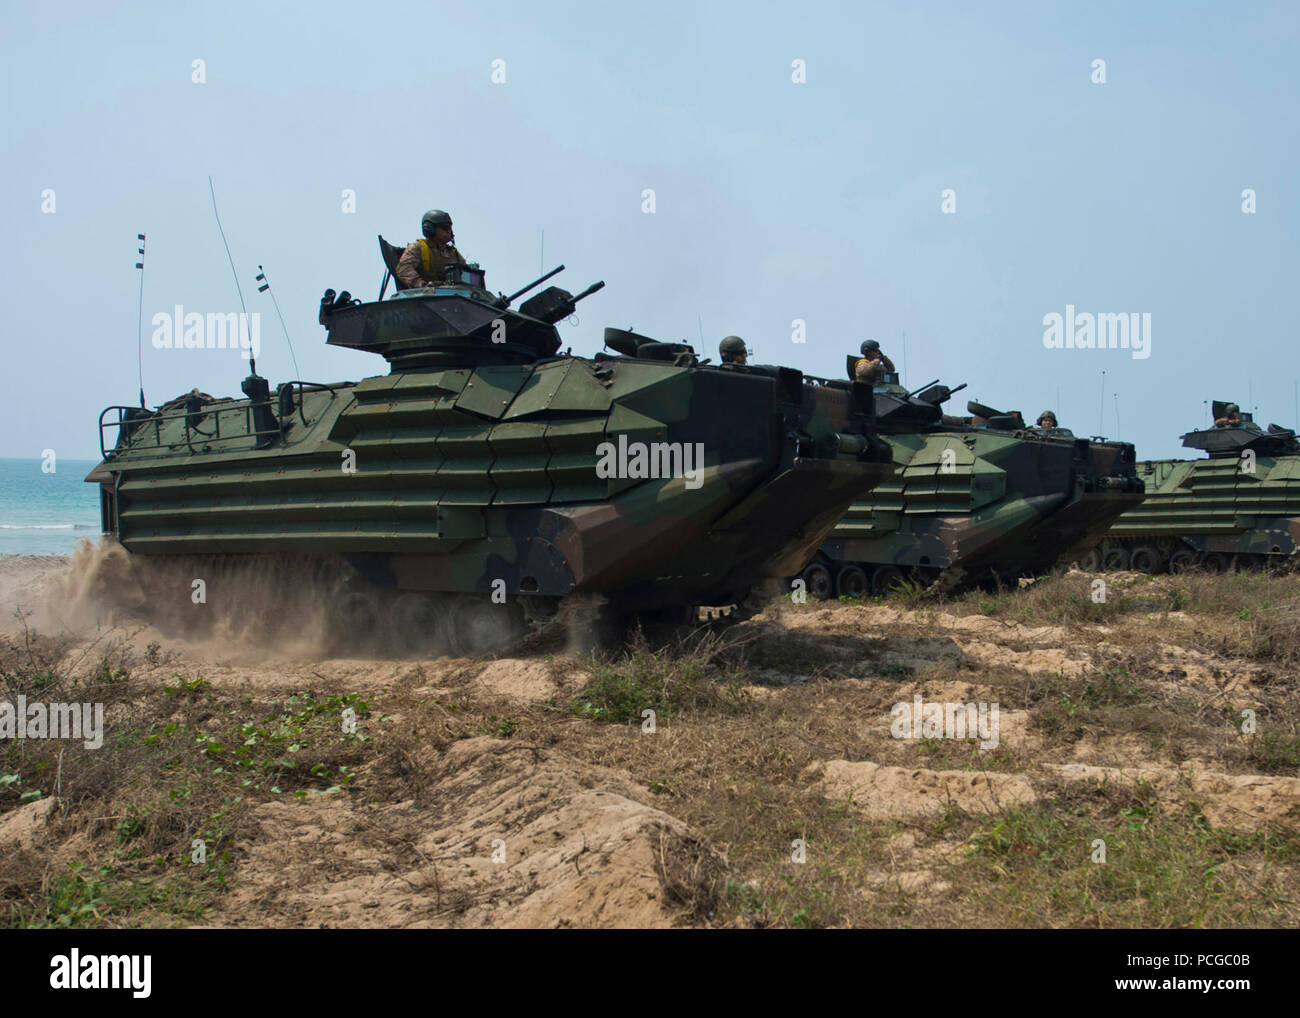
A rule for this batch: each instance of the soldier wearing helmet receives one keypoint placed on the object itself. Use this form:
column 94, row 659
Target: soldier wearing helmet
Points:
column 425, row 261
column 1047, row 419
column 732, row 351
column 873, row 364
column 1231, row 417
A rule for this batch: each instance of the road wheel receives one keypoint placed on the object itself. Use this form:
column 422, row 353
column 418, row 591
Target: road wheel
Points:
column 851, row 581
column 1116, row 558
column 1146, row 559
column 1182, row 560
column 420, row 624
column 885, row 580
column 479, row 627
column 1092, row 562
column 817, row 581
column 357, row 625
column 1217, row 562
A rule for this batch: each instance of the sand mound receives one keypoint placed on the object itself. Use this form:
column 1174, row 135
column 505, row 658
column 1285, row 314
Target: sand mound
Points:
column 508, row 835
column 1243, row 801
column 889, row 792
column 21, row 827
column 521, row 680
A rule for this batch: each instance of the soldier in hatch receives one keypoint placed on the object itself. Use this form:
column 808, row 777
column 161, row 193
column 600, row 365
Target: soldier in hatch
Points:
column 1231, row 417
column 1047, row 419
column 873, row 364
column 425, row 262
column 732, row 351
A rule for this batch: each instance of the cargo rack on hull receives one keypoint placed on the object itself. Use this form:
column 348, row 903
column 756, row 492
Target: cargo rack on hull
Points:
column 132, row 422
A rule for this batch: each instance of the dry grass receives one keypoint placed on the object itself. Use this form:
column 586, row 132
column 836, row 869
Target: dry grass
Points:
column 180, row 762
column 744, row 717
column 132, row 811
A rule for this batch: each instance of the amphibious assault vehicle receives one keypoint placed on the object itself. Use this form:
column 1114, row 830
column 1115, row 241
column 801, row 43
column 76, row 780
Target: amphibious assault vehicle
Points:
column 974, row 500
column 453, row 502
column 1239, row 507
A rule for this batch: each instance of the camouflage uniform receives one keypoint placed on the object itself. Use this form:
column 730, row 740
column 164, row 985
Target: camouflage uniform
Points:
column 873, row 369
column 423, row 264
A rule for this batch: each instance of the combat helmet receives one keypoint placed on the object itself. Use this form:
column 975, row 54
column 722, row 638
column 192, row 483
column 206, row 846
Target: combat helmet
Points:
column 1045, row 415
column 432, row 218
column 870, row 346
column 731, row 346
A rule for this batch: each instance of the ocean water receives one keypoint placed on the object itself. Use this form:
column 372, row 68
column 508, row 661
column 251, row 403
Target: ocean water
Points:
column 46, row 514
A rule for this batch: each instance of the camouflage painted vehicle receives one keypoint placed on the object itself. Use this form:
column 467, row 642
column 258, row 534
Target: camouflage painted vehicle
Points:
column 975, row 500
column 1238, row 507
column 454, row 501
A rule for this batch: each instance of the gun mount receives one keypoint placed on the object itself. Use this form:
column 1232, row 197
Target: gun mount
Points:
column 453, row 322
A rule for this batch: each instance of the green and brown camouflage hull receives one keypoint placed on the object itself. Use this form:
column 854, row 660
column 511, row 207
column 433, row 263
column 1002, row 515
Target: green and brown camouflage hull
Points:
column 488, row 479
column 978, row 505
column 1220, row 512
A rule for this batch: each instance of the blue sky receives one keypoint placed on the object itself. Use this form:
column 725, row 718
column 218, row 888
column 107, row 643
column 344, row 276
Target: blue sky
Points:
column 775, row 201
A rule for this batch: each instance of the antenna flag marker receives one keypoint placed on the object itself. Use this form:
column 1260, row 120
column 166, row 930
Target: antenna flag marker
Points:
column 266, row 285
column 139, row 322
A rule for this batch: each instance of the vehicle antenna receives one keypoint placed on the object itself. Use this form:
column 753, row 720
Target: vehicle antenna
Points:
column 252, row 363
column 139, row 321
column 1117, row 415
column 699, row 319
column 1101, row 416
column 264, row 288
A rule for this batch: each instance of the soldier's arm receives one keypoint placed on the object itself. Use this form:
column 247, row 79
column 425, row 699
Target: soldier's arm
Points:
column 460, row 260
column 408, row 267
column 889, row 365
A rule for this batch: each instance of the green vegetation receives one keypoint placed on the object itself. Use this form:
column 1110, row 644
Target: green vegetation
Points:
column 158, row 809
column 1163, row 864
column 670, row 680
column 1275, row 754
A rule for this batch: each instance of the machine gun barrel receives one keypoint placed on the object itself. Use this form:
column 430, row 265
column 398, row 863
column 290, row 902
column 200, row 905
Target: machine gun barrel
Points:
column 923, row 388
column 589, row 291
column 535, row 282
column 953, row 392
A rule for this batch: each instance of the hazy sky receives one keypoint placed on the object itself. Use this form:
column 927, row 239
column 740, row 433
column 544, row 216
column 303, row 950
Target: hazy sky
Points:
column 774, row 200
